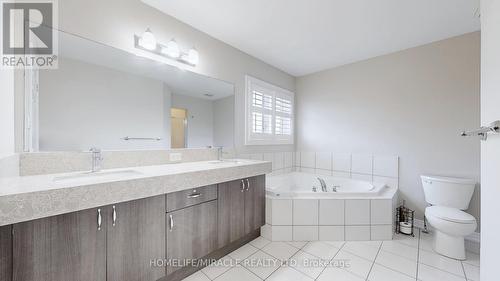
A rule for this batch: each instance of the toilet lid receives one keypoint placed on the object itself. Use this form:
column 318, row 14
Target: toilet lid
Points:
column 450, row 214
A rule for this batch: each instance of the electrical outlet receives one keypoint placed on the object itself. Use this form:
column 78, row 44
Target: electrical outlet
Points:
column 175, row 157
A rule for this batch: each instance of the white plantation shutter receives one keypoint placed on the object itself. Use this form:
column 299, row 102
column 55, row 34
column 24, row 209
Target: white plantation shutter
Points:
column 269, row 113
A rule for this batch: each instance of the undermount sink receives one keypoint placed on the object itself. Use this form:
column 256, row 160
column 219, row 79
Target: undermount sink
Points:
column 226, row 161
column 100, row 175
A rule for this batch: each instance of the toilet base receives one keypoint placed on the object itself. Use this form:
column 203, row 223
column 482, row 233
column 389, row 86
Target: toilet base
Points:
column 449, row 246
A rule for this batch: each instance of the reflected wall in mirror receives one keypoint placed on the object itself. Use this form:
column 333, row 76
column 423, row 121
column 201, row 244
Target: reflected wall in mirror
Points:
column 104, row 97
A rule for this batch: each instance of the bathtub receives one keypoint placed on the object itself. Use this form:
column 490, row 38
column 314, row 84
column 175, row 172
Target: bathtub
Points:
column 305, row 185
column 298, row 210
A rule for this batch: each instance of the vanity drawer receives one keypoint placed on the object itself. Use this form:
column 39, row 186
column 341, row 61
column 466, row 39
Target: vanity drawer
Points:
column 189, row 197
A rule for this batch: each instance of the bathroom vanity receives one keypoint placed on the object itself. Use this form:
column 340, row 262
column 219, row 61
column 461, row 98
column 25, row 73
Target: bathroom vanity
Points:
column 144, row 230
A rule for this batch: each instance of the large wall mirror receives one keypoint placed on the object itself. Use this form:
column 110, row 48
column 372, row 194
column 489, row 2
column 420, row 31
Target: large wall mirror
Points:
column 105, row 97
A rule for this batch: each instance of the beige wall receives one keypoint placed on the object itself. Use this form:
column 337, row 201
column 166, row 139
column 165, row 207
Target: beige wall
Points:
column 413, row 104
column 114, row 22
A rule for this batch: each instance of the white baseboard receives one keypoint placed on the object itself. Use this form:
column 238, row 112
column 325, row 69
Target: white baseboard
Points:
column 472, row 241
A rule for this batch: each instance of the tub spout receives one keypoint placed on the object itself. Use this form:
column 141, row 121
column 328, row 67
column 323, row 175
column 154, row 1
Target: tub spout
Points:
column 323, row 185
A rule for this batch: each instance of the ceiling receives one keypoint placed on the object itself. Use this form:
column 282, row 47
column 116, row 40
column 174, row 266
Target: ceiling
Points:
column 305, row 36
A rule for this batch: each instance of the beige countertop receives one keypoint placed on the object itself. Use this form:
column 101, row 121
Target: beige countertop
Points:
column 32, row 197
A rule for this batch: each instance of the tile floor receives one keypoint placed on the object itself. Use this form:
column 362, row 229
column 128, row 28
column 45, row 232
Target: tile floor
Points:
column 404, row 258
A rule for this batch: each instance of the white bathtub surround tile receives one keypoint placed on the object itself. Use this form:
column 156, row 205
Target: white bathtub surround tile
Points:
column 308, row 159
column 308, row 264
column 365, row 250
column 472, row 258
column 357, row 212
column 362, row 177
column 356, row 264
column 331, row 233
column 269, row 157
column 400, row 249
column 441, row 262
column 305, row 212
column 321, row 250
column 278, row 161
column 338, row 174
column 282, row 212
column 334, row 273
column 288, row 274
column 429, row 273
column 198, row 276
column 296, row 159
column 266, row 231
column 342, row 162
column 397, row 263
column 471, row 272
column 357, row 232
column 288, row 160
column 298, row 244
column 218, row 267
column 381, row 232
column 281, row 233
column 261, row 264
column 243, row 252
column 280, row 250
column 305, row 233
column 362, row 164
column 269, row 210
column 331, row 212
column 381, row 211
column 323, row 172
column 239, row 273
column 386, row 166
column 391, row 182
column 324, row 160
column 260, row 242
column 381, row 273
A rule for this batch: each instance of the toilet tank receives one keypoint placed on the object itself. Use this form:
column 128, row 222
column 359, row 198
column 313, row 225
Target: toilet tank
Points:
column 448, row 191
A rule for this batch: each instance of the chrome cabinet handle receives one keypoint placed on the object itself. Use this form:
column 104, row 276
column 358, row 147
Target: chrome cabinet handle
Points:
column 99, row 219
column 171, row 226
column 242, row 186
column 194, row 194
column 248, row 184
column 114, row 215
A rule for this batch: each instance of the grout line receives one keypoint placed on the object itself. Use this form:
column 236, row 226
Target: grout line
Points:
column 463, row 268
column 206, row 275
column 336, row 254
column 418, row 253
column 379, row 248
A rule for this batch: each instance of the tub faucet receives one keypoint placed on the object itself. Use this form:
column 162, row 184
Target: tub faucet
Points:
column 96, row 159
column 323, row 185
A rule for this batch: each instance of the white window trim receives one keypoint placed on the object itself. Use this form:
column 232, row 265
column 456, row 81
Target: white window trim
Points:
column 253, row 139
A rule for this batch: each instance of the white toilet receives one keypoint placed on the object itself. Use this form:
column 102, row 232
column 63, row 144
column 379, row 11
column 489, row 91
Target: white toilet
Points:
column 448, row 197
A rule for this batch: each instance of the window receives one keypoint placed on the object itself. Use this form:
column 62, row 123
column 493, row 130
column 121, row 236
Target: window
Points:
column 269, row 113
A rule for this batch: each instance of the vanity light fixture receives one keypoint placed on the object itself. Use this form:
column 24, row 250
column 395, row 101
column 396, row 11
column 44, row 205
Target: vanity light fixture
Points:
column 147, row 42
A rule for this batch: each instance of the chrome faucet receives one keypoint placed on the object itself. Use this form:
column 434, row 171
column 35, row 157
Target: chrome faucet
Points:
column 96, row 159
column 219, row 152
column 323, row 185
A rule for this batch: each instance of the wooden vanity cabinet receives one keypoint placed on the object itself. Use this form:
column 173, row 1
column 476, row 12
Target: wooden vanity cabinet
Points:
column 241, row 208
column 6, row 253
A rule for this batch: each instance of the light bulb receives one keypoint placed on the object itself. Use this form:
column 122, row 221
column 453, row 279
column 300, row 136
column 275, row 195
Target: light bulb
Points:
column 172, row 49
column 193, row 56
column 148, row 40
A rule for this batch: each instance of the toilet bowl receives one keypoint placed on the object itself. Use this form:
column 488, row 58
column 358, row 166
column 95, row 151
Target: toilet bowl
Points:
column 449, row 197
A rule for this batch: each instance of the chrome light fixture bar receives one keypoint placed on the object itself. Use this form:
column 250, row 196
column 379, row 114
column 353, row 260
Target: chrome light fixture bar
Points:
column 483, row 131
column 147, row 42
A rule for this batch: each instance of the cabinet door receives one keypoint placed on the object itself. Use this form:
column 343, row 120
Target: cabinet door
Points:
column 6, row 253
column 231, row 212
column 136, row 237
column 60, row 248
column 255, row 203
column 191, row 233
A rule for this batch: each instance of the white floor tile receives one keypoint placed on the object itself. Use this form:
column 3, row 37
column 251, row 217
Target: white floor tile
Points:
column 426, row 242
column 411, row 241
column 288, row 274
column 333, row 273
column 259, row 242
column 472, row 259
column 238, row 273
column 261, row 264
column 321, row 250
column 429, row 273
column 397, row 263
column 198, row 276
column 355, row 264
column 298, row 244
column 219, row 267
column 280, row 250
column 471, row 272
column 362, row 249
column 380, row 273
column 441, row 262
column 337, row 244
column 308, row 264
column 400, row 249
column 243, row 252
